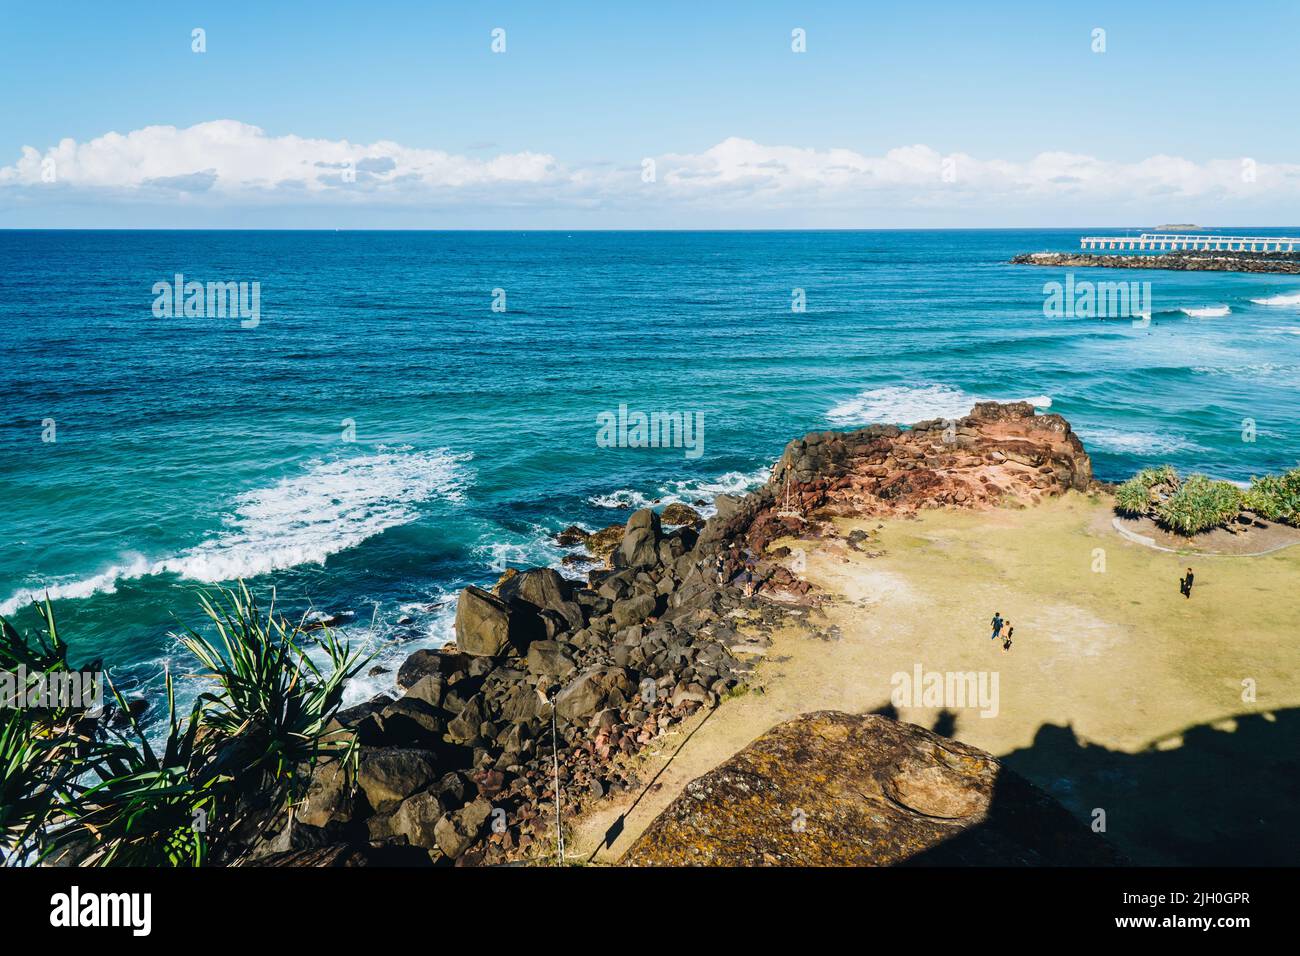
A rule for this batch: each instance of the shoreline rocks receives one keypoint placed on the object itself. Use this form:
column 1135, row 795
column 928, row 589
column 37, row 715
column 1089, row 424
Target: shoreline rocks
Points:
column 1286, row 263
column 462, row 765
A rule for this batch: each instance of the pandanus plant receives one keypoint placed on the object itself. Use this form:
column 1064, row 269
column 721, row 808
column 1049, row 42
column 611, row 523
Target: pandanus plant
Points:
column 116, row 797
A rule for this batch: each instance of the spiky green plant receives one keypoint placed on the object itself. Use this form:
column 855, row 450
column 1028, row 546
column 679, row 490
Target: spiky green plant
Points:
column 1154, row 477
column 146, row 807
column 1276, row 497
column 1200, row 504
column 271, row 696
column 30, row 780
column 115, row 798
column 1132, row 498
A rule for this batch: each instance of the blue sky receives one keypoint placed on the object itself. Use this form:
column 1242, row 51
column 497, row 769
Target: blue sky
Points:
column 555, row 131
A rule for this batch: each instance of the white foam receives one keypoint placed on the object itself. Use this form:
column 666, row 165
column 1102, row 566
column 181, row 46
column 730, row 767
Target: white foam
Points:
column 1286, row 299
column 1207, row 311
column 905, row 404
column 1283, row 330
column 1132, row 442
column 685, row 491
column 302, row 519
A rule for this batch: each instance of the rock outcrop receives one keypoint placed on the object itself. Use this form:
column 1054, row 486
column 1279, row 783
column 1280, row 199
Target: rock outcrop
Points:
column 834, row 789
column 461, row 768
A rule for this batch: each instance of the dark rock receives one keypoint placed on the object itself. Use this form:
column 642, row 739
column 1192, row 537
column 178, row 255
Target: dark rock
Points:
column 388, row 775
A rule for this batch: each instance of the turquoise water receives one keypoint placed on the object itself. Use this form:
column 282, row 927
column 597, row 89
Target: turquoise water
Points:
column 191, row 451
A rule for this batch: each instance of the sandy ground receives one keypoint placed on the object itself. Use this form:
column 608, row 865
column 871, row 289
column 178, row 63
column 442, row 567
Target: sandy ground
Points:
column 1118, row 694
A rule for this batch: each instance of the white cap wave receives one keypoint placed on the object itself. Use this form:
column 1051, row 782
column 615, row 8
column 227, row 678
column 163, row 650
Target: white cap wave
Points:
column 905, row 404
column 301, row 519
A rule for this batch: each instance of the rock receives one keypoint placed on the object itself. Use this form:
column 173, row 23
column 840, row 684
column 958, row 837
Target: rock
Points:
column 600, row 544
column 456, row 831
column 834, row 789
column 549, row 658
column 465, row 728
column 329, row 796
column 428, row 688
column 680, row 514
column 417, row 819
column 590, row 690
column 633, row 610
column 429, row 662
column 640, row 544
column 571, row 536
column 388, row 775
column 544, row 589
column 482, row 623
column 411, row 722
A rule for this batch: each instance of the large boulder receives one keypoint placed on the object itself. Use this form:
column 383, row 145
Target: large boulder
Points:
column 640, row 545
column 455, row 832
column 835, row 789
column 593, row 690
column 389, row 775
column 483, row 623
column 543, row 589
column 549, row 659
column 329, row 796
column 417, row 818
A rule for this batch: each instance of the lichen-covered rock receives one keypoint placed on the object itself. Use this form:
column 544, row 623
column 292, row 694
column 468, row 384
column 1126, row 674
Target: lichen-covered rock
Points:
column 835, row 789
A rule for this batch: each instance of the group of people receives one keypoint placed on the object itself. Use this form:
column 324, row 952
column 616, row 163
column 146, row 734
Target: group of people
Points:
column 998, row 623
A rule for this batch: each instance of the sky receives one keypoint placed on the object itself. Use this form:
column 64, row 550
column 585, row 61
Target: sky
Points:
column 394, row 114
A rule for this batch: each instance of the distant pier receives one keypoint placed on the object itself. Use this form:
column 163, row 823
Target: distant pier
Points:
column 1156, row 241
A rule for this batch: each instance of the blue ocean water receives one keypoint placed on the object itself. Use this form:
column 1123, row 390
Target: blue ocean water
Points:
column 383, row 436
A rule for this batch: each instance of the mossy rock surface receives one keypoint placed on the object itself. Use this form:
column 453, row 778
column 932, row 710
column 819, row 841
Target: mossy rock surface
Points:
column 836, row 789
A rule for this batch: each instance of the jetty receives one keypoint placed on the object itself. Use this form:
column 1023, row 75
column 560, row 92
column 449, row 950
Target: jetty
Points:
column 1177, row 242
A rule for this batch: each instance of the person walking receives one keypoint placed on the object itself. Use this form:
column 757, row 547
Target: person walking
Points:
column 996, row 623
column 720, row 566
column 1006, row 639
column 1187, row 584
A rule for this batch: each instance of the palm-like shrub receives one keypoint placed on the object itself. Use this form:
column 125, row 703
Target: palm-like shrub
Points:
column 272, row 701
column 145, row 807
column 1276, row 497
column 1132, row 498
column 1199, row 504
column 30, row 780
column 41, row 750
column 114, row 798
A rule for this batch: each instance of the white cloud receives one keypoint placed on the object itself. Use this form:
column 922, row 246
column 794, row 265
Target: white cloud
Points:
column 225, row 162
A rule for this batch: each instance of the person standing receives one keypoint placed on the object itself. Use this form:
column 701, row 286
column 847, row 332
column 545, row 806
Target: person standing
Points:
column 1187, row 584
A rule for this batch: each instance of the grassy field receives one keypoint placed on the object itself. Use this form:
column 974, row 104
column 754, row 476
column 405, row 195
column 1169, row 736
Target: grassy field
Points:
column 1119, row 695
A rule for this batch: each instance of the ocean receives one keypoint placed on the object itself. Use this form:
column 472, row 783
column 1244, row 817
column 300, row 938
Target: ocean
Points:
column 410, row 412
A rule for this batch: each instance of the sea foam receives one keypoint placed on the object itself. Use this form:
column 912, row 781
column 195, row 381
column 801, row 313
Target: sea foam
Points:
column 302, row 519
column 905, row 404
column 1286, row 299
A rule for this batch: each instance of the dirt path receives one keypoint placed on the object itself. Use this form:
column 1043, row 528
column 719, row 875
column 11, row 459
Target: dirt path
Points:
column 1108, row 656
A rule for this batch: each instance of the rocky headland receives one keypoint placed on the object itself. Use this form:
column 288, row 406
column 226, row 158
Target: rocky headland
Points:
column 1287, row 263
column 554, row 680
